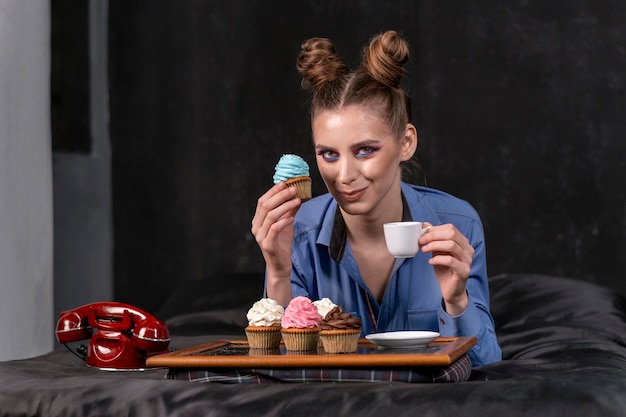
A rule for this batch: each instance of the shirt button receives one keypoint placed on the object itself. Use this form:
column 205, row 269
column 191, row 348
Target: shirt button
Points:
column 442, row 321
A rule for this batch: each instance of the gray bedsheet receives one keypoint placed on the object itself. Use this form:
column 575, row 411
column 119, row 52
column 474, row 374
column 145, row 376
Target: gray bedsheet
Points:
column 564, row 344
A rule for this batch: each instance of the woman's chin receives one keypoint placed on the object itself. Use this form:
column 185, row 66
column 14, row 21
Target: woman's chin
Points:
column 354, row 208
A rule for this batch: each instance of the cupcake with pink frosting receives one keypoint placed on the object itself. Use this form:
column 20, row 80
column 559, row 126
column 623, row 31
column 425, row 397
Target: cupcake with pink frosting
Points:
column 300, row 325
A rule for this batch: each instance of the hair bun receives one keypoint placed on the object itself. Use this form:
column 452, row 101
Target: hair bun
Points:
column 319, row 63
column 384, row 57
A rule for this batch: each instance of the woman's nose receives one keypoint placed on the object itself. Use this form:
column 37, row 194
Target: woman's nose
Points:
column 347, row 171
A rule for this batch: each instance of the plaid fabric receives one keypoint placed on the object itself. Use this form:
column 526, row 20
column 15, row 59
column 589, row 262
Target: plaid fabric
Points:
column 458, row 371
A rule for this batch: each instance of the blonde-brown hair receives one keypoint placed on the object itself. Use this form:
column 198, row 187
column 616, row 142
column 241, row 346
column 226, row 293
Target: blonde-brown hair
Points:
column 375, row 83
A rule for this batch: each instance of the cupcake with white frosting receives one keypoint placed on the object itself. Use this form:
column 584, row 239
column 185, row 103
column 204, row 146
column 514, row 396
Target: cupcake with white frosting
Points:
column 324, row 306
column 263, row 330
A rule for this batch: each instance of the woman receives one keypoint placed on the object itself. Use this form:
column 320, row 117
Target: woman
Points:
column 333, row 246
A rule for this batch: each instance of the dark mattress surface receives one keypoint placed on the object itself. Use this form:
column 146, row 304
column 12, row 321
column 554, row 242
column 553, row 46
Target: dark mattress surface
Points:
column 563, row 342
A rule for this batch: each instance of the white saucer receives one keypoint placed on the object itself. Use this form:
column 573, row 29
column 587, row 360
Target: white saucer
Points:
column 402, row 339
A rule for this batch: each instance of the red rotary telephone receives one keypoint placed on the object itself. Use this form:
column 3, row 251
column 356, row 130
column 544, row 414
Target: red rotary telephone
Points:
column 124, row 336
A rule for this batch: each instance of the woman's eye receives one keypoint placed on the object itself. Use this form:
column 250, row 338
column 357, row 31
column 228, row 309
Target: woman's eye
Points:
column 329, row 156
column 365, row 151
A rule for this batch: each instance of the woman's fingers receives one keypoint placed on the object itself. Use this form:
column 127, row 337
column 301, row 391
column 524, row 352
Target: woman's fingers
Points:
column 272, row 226
column 273, row 205
column 449, row 247
column 263, row 203
column 446, row 238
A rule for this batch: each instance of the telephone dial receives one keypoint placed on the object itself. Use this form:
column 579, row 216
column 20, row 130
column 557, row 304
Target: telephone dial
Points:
column 124, row 336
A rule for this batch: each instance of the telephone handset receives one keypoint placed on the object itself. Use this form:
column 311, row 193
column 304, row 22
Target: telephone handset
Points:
column 124, row 334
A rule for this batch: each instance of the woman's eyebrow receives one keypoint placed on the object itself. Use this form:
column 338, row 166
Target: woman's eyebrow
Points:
column 367, row 142
column 323, row 147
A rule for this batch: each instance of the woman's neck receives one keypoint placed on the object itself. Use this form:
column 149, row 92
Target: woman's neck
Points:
column 367, row 242
column 369, row 227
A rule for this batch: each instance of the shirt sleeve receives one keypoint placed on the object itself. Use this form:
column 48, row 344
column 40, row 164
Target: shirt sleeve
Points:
column 476, row 320
column 299, row 285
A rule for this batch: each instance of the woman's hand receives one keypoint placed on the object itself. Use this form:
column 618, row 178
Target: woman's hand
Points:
column 452, row 256
column 272, row 227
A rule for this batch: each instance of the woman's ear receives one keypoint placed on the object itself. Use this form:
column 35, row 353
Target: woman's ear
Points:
column 409, row 142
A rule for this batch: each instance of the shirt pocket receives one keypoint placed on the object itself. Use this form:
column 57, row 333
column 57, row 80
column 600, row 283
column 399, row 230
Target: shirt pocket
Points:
column 423, row 320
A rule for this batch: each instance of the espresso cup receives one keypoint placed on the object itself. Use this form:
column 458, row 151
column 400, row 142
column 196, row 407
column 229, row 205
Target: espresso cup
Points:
column 401, row 238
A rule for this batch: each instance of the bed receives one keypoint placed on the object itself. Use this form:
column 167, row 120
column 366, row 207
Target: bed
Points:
column 564, row 353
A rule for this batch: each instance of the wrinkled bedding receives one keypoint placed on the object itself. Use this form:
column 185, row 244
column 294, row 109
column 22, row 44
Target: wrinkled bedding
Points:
column 563, row 341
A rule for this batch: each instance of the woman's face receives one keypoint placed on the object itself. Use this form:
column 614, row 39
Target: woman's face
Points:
column 359, row 158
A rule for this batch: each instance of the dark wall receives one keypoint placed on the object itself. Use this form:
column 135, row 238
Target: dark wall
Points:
column 523, row 110
column 69, row 76
column 519, row 110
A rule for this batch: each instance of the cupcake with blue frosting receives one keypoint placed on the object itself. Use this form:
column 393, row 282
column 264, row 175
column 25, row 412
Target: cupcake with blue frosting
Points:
column 294, row 172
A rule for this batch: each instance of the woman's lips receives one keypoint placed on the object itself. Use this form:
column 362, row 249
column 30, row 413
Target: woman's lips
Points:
column 352, row 196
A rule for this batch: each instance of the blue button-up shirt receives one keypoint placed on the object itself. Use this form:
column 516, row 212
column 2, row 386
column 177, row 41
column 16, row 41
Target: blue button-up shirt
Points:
column 324, row 266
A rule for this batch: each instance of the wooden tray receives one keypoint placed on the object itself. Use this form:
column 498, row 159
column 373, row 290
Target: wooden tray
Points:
column 237, row 354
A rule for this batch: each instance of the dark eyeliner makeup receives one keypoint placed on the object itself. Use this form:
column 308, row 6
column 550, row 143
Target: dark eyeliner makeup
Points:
column 327, row 154
column 370, row 150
